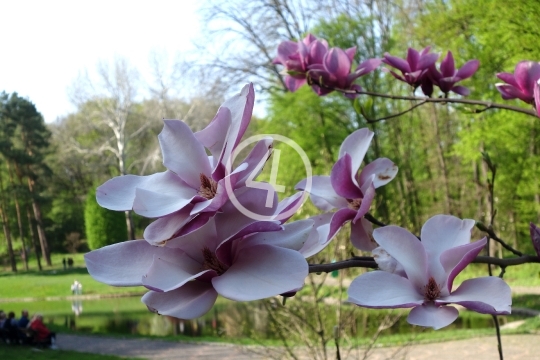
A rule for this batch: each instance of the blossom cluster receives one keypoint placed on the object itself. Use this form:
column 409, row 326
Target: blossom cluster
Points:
column 203, row 243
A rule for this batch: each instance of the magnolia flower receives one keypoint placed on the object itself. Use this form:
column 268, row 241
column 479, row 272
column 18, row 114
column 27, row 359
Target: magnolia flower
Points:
column 349, row 191
column 414, row 69
column 448, row 76
column 232, row 255
column 335, row 72
column 193, row 187
column 535, row 237
column 523, row 84
column 430, row 267
column 296, row 57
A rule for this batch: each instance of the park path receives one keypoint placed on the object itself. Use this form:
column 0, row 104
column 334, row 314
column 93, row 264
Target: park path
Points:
column 516, row 347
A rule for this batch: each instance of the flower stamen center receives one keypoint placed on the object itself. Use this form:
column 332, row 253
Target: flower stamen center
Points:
column 432, row 290
column 211, row 262
column 354, row 204
column 208, row 187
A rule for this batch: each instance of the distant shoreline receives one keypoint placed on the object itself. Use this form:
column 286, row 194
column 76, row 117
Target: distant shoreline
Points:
column 71, row 297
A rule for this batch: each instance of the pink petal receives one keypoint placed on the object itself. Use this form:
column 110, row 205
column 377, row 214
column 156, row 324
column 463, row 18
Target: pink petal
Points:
column 382, row 290
column 508, row 78
column 486, row 295
column 253, row 164
column 508, row 92
column 356, row 145
column 442, row 232
column 317, row 50
column 367, row 67
column 262, row 271
column 396, row 62
column 468, row 69
column 337, row 63
column 350, row 53
column 412, row 58
column 285, row 50
column 362, row 235
column 461, row 90
column 190, row 301
column 119, row 193
column 194, row 242
column 526, row 74
column 433, row 316
column 151, row 203
column 427, row 60
column 293, row 236
column 447, row 65
column 319, row 237
column 455, row 259
column 323, row 193
column 339, row 219
column 213, row 137
column 293, row 84
column 383, row 169
column 537, row 98
column 164, row 275
column 344, row 179
column 289, row 205
column 407, row 250
column 166, row 227
column 241, row 107
column 183, row 153
column 369, row 194
column 535, row 237
column 125, row 263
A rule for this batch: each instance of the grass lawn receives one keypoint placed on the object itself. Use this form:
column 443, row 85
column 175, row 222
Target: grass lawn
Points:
column 55, row 281
column 26, row 352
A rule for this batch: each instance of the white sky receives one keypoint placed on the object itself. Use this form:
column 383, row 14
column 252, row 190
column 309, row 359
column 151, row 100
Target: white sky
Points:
column 46, row 43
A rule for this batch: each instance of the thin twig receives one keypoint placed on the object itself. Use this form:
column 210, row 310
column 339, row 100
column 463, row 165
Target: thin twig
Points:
column 393, row 115
column 493, row 236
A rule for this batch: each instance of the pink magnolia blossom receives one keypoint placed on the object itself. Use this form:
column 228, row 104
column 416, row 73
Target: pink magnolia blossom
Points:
column 535, row 237
column 335, row 72
column 297, row 56
column 429, row 269
column 232, row 255
column 193, row 188
column 348, row 190
column 414, row 69
column 523, row 84
column 449, row 76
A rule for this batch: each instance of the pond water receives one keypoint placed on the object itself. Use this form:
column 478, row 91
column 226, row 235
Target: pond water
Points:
column 228, row 319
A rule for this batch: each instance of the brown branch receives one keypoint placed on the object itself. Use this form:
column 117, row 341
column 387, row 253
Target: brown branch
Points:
column 493, row 236
column 369, row 262
column 393, row 115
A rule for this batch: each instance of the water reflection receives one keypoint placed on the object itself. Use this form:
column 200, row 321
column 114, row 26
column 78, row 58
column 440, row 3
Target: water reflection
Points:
column 227, row 319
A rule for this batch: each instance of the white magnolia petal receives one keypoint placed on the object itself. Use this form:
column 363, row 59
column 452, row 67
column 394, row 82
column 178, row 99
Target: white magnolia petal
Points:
column 356, row 145
column 321, row 188
column 262, row 271
column 293, row 236
column 486, row 295
column 407, row 250
column 183, row 153
column 381, row 289
column 166, row 227
column 383, row 169
column 433, row 316
column 166, row 275
column 319, row 238
column 125, row 263
column 190, row 301
column 152, row 204
column 119, row 193
column 442, row 232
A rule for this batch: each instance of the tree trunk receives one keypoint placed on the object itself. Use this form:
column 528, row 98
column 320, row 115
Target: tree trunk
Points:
column 19, row 220
column 33, row 236
column 39, row 224
column 7, row 234
column 130, row 225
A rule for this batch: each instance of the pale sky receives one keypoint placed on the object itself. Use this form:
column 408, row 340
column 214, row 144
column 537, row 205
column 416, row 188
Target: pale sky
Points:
column 46, row 43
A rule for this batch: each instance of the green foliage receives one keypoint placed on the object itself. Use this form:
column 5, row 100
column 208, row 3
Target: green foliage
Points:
column 103, row 226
